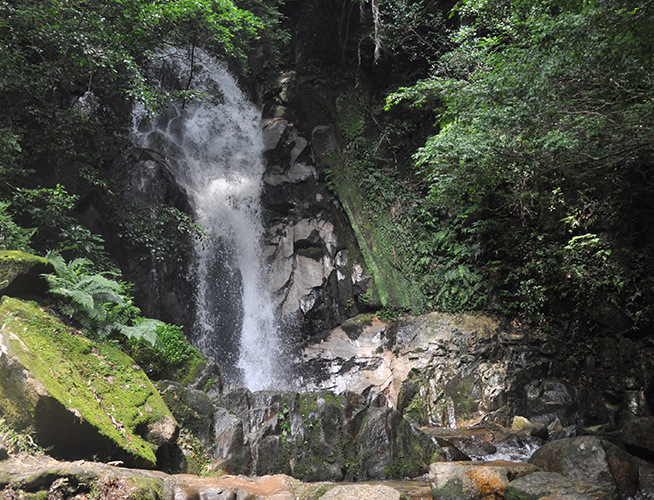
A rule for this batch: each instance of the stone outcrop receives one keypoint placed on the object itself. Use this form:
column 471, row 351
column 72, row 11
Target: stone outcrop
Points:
column 315, row 272
column 591, row 460
column 474, row 480
column 140, row 231
column 317, row 437
column 80, row 398
column 20, row 274
column 455, row 370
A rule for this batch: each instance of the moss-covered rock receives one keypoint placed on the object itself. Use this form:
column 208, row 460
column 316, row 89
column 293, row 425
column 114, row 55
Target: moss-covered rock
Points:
column 20, row 274
column 81, row 398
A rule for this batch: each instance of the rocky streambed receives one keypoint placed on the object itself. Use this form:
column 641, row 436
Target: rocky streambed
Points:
column 454, row 401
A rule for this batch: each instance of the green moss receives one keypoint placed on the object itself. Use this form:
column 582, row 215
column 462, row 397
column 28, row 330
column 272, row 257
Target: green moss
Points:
column 94, row 379
column 452, row 490
column 355, row 326
column 417, row 410
column 14, row 263
column 145, row 488
column 461, row 391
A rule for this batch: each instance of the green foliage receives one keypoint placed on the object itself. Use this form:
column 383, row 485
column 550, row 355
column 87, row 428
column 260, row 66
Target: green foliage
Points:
column 97, row 302
column 18, row 442
column 170, row 357
column 159, row 231
column 412, row 30
column 12, row 236
column 539, row 169
column 51, row 212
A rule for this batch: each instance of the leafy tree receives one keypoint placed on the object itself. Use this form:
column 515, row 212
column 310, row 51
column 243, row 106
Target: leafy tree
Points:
column 544, row 155
column 68, row 74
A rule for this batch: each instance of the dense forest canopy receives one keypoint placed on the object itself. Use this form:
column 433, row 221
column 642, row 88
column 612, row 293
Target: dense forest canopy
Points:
column 543, row 159
column 532, row 194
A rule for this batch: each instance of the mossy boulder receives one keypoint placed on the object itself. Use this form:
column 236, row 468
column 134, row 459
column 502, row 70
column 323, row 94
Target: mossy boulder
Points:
column 79, row 397
column 20, row 274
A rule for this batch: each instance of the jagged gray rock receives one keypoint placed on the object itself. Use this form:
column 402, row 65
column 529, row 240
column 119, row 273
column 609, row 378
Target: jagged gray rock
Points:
column 317, row 437
column 590, row 459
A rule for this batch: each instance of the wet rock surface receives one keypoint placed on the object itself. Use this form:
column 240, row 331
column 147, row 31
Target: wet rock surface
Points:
column 457, row 370
column 317, row 437
column 141, row 234
column 591, row 460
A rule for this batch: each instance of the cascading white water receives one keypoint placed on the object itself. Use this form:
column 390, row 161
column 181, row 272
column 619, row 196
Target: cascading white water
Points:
column 215, row 146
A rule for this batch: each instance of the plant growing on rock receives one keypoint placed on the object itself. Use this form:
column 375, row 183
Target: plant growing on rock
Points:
column 17, row 442
column 98, row 303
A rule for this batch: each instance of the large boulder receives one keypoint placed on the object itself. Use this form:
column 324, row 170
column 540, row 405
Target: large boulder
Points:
column 590, row 459
column 473, row 480
column 20, row 274
column 552, row 486
column 638, row 437
column 80, row 398
column 317, row 437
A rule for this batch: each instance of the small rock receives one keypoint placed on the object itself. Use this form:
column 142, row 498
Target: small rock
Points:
column 358, row 491
column 552, row 486
column 473, row 480
column 538, row 430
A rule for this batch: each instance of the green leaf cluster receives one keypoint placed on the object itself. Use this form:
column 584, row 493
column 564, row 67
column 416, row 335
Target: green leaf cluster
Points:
column 171, row 357
column 96, row 302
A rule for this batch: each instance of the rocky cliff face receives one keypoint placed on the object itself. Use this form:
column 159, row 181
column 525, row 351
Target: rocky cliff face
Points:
column 315, row 271
column 448, row 371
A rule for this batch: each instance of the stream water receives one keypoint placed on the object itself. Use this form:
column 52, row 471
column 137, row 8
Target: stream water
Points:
column 214, row 145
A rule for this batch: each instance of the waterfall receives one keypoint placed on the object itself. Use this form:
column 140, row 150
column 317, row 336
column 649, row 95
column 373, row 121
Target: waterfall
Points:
column 214, row 146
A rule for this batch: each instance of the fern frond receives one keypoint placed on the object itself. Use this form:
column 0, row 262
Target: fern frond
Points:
column 146, row 330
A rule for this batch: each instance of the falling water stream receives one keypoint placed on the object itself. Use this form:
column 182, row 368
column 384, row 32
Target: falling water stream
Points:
column 214, row 146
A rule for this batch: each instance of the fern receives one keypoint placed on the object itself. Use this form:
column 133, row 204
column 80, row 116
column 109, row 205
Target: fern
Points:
column 145, row 330
column 97, row 302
